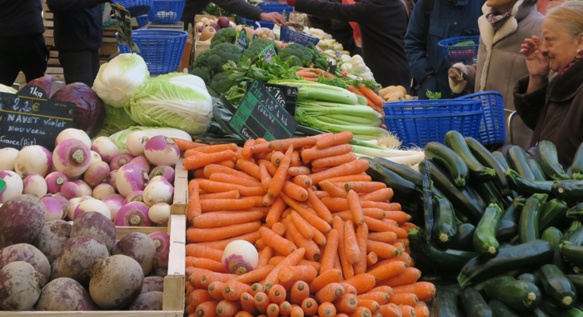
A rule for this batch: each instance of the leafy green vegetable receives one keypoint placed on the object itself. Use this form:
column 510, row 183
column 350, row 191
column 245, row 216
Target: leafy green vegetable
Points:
column 433, row 95
column 298, row 50
column 221, row 54
column 221, row 83
column 116, row 119
column 256, row 47
column 224, row 35
column 203, row 72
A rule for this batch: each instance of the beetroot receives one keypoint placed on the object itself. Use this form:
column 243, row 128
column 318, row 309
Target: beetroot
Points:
column 22, row 219
column 148, row 301
column 95, row 225
column 115, row 282
column 153, row 283
column 138, row 246
column 77, row 257
column 30, row 254
column 19, row 286
column 52, row 238
column 64, row 294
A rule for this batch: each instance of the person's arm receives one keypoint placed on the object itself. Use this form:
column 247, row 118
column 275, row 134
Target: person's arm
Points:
column 346, row 12
column 529, row 104
column 71, row 5
column 249, row 11
column 461, row 77
column 537, row 63
column 416, row 44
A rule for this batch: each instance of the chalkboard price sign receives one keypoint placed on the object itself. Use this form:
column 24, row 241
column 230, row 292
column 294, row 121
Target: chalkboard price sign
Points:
column 29, row 118
column 262, row 114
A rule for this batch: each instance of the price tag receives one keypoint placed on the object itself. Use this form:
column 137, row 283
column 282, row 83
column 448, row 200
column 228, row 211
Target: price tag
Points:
column 262, row 114
column 268, row 53
column 243, row 40
column 29, row 118
column 2, row 185
column 124, row 29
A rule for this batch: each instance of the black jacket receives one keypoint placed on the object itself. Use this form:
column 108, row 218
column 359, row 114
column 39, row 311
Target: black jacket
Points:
column 78, row 25
column 20, row 18
column 382, row 24
column 238, row 7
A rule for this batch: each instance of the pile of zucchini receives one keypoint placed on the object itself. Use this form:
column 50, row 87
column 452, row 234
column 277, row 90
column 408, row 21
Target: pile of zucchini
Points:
column 499, row 233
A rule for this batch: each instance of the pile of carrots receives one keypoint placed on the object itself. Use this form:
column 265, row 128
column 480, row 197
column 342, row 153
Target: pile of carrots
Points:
column 330, row 241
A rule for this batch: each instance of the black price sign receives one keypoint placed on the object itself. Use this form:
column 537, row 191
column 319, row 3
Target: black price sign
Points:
column 29, row 118
column 124, row 29
column 262, row 113
column 268, row 53
column 243, row 40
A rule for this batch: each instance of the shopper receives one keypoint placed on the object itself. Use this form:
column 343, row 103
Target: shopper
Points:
column 550, row 98
column 431, row 22
column 503, row 27
column 239, row 7
column 22, row 44
column 382, row 25
column 78, row 36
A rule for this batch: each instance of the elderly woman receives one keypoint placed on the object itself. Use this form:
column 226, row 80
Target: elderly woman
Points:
column 550, row 99
column 503, row 27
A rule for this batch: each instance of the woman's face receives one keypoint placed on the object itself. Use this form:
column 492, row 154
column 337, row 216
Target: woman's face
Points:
column 501, row 6
column 558, row 45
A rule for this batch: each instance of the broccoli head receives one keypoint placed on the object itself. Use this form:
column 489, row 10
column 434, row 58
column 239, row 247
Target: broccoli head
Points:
column 201, row 59
column 294, row 49
column 224, row 35
column 221, row 83
column 221, row 54
column 256, row 47
column 203, row 72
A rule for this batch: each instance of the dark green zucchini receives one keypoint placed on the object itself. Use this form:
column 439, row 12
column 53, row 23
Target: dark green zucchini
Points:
column 554, row 311
column 552, row 213
column 445, row 303
column 485, row 242
column 557, row 287
column 573, row 254
column 506, row 231
column 463, row 201
column 516, row 156
column 549, row 160
column 448, row 258
column 399, row 185
column 554, row 236
column 535, row 313
column 489, row 194
column 577, row 165
column 536, row 169
column 576, row 237
column 530, row 254
column 512, row 212
column 463, row 240
column 444, row 225
column 577, row 280
column 571, row 190
column 519, row 295
column 448, row 160
column 501, row 309
column 575, row 212
column 529, row 277
column 455, row 140
column 487, row 159
column 528, row 226
column 501, row 158
column 474, row 304
column 403, row 170
column 527, row 187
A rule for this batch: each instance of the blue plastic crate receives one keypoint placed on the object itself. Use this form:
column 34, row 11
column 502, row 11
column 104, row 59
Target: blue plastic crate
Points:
column 160, row 49
column 257, row 24
column 493, row 125
column 461, row 53
column 417, row 122
column 282, row 8
column 166, row 11
column 136, row 7
column 142, row 20
column 288, row 35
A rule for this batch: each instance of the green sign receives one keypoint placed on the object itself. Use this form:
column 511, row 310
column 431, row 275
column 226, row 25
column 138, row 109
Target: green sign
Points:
column 2, row 185
column 262, row 114
column 268, row 53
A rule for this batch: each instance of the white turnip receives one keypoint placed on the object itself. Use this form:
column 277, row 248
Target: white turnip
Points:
column 14, row 185
column 72, row 133
column 240, row 257
column 71, row 157
column 106, row 148
column 95, row 225
column 79, row 254
column 161, row 150
column 19, row 286
column 96, row 173
column 102, row 190
column 114, row 202
column 73, row 203
column 163, row 170
column 52, row 238
column 95, row 157
column 136, row 141
column 133, row 214
column 33, row 159
column 54, row 208
column 7, row 158
column 130, row 177
column 115, row 281
column 92, row 204
column 34, row 184
column 162, row 243
column 30, row 254
column 147, row 301
column 139, row 247
column 55, row 181
column 159, row 213
column 22, row 219
column 64, row 294
column 158, row 192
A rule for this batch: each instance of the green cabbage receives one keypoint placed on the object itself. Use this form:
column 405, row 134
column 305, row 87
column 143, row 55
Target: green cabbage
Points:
column 174, row 100
column 120, row 137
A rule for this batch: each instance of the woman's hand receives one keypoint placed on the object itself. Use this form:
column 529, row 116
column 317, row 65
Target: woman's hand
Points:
column 537, row 63
column 275, row 17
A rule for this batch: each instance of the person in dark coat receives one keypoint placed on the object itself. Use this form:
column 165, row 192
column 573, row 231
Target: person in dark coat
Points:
column 238, row 7
column 550, row 98
column 340, row 30
column 22, row 44
column 382, row 25
column 448, row 18
column 78, row 27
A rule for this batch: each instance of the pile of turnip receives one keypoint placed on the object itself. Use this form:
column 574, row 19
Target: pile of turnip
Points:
column 59, row 212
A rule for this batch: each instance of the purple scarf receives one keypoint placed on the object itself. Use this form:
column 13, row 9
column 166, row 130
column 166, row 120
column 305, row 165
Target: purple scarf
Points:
column 575, row 60
column 497, row 20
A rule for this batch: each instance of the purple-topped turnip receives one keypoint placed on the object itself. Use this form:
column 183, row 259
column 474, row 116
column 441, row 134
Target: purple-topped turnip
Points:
column 95, row 157
column 92, row 204
column 158, row 192
column 120, row 160
column 23, row 218
column 7, row 158
column 52, row 238
column 95, row 225
column 142, row 161
column 111, row 178
column 14, row 185
column 34, row 184
column 129, row 178
column 55, row 181
column 73, row 203
column 96, row 173
column 240, row 257
column 162, row 243
column 102, row 190
column 133, row 214
column 33, row 159
column 72, row 133
column 161, row 150
column 106, row 148
column 136, row 141
column 114, row 202
column 54, row 209
column 65, row 202
column 71, row 157
column 76, row 188
column 164, row 171
column 136, row 195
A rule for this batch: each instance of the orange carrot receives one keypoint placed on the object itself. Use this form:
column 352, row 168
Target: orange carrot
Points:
column 255, row 275
column 283, row 144
column 204, row 263
column 248, row 167
column 298, row 170
column 371, row 304
column 350, row 243
column 384, row 236
column 198, row 296
column 215, row 290
column 276, row 241
column 313, row 153
column 306, row 73
column 309, row 306
column 326, row 309
column 354, row 167
column 424, row 290
column 285, row 308
column 362, row 177
column 297, row 311
column 218, row 233
column 277, row 293
column 330, row 251
column 243, row 313
column 330, row 139
column 331, row 161
column 383, row 250
column 246, row 151
column 347, row 269
column 279, row 228
column 355, row 207
column 265, row 177
column 255, row 288
column 378, row 296
column 361, row 311
column 248, row 303
column 291, row 259
column 293, row 234
column 421, row 309
column 404, row 299
column 409, row 276
column 276, row 157
column 297, row 272
column 233, row 179
column 329, row 293
column 227, row 204
column 295, row 191
column 207, row 309
column 398, row 216
column 212, row 187
column 280, row 175
column 319, row 207
column 225, row 218
column 332, row 189
column 197, row 250
column 193, row 208
column 330, row 276
column 408, row 311
column 261, row 301
column 370, row 94
column 362, row 282
column 324, row 73
column 200, row 160
column 390, row 310
column 335, row 204
column 184, row 144
column 307, row 214
column 233, row 289
column 272, row 310
column 232, row 194
column 381, row 195
column 346, row 303
column 210, row 149
column 210, row 169
column 302, row 180
column 361, row 239
column 275, row 211
column 298, row 292
column 379, row 225
column 382, row 205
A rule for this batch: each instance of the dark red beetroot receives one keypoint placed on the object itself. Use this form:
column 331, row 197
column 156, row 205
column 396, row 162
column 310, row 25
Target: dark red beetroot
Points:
column 19, row 286
column 30, row 254
column 115, row 282
column 153, row 284
column 78, row 256
column 138, row 246
column 148, row 301
column 64, row 294
column 95, row 225
column 52, row 238
column 22, row 219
